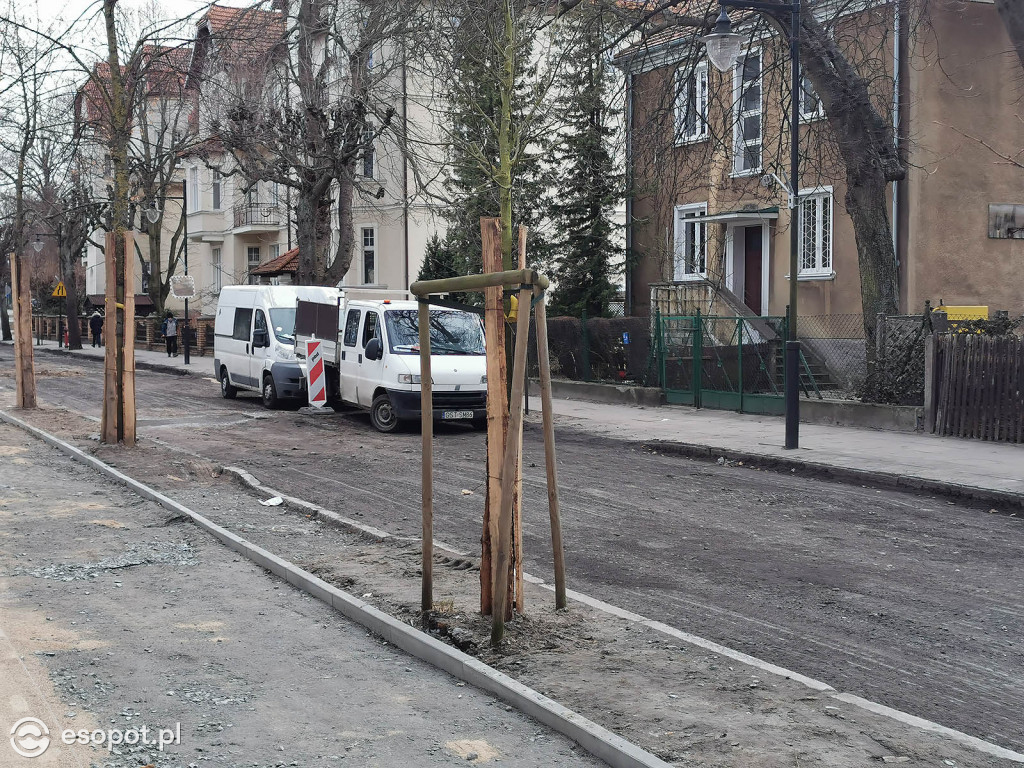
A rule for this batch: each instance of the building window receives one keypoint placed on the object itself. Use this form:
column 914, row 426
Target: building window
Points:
column 691, row 108
column 690, row 260
column 747, row 133
column 216, row 189
column 275, row 251
column 369, row 255
column 108, row 166
column 368, row 152
column 218, row 270
column 193, row 189
column 252, row 260
column 816, row 233
column 810, row 104
column 275, row 193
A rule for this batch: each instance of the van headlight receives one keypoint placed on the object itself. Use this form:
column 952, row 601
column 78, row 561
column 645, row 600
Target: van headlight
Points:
column 408, row 378
column 286, row 353
column 483, row 379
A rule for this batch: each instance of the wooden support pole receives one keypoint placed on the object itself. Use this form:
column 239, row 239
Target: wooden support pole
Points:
column 108, row 421
column 128, row 373
column 519, row 591
column 544, row 363
column 508, row 468
column 497, row 405
column 24, row 363
column 427, row 427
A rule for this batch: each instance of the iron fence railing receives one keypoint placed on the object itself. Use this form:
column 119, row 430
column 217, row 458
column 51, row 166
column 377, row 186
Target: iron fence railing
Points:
column 257, row 214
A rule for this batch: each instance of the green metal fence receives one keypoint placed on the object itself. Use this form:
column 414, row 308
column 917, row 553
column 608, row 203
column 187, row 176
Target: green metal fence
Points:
column 732, row 363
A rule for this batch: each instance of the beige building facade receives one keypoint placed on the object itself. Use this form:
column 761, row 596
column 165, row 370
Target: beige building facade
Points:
column 710, row 214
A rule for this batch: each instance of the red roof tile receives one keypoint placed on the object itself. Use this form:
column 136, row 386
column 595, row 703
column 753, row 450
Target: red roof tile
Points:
column 286, row 262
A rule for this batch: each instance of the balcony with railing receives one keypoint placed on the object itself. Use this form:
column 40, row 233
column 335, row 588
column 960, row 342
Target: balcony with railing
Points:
column 256, row 217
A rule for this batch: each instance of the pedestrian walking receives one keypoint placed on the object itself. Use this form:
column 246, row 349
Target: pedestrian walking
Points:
column 170, row 331
column 96, row 328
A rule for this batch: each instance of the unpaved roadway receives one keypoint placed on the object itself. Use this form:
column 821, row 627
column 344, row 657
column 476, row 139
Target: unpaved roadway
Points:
column 117, row 615
column 908, row 600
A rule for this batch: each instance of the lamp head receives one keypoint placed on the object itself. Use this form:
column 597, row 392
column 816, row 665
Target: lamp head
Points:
column 37, row 245
column 153, row 213
column 723, row 45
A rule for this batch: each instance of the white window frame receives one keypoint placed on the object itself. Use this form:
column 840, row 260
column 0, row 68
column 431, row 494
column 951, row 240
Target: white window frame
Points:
column 805, row 89
column 275, row 251
column 372, row 249
column 823, row 242
column 739, row 145
column 698, row 77
column 193, row 189
column 217, row 264
column 689, row 232
column 216, row 189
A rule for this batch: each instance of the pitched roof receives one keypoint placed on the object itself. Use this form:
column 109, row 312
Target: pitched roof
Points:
column 286, row 262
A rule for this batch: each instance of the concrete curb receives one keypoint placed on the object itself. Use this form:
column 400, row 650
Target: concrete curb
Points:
column 598, row 741
column 870, row 478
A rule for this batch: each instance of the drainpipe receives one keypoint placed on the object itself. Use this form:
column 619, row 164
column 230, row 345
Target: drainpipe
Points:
column 405, row 166
column 628, row 309
column 896, row 66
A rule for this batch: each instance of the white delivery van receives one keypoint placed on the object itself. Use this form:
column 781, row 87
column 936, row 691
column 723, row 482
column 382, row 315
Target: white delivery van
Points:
column 254, row 339
column 376, row 365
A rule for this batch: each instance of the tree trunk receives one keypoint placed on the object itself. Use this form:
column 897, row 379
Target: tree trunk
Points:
column 867, row 145
column 67, row 271
column 1012, row 13
column 305, row 230
column 342, row 261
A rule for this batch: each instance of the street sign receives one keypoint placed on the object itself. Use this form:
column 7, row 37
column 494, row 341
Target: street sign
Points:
column 183, row 286
column 317, row 382
column 60, row 292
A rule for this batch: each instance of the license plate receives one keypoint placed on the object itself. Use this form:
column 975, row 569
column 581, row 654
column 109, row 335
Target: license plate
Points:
column 456, row 414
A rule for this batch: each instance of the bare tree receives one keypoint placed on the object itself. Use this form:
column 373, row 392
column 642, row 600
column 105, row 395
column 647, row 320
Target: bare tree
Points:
column 303, row 112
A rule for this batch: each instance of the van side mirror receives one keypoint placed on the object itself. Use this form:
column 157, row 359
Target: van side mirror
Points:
column 374, row 349
column 260, row 338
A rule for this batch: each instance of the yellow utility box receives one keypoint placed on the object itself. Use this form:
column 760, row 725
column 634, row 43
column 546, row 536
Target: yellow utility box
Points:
column 963, row 312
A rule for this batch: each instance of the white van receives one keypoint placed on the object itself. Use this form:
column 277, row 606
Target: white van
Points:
column 375, row 363
column 254, row 342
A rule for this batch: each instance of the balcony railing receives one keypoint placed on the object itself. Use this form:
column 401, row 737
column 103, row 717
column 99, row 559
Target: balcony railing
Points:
column 257, row 215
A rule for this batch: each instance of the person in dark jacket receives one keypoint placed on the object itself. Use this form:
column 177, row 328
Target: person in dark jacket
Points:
column 170, row 332
column 96, row 328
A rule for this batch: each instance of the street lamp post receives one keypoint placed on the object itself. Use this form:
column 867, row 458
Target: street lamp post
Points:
column 153, row 214
column 723, row 48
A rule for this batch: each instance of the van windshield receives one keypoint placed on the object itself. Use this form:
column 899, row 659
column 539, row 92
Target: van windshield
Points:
column 451, row 332
column 282, row 320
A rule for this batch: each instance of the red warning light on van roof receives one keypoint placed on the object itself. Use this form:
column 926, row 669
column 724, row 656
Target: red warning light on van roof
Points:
column 387, row 301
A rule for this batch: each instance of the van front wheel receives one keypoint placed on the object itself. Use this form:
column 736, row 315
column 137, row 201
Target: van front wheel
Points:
column 227, row 390
column 270, row 399
column 382, row 414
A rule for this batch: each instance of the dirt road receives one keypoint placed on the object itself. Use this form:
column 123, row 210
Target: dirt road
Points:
column 908, row 600
column 118, row 615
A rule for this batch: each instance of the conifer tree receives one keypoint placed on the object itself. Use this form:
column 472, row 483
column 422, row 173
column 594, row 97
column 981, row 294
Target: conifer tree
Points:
column 583, row 242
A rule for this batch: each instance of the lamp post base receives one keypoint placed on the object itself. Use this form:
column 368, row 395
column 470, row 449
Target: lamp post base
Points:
column 792, row 395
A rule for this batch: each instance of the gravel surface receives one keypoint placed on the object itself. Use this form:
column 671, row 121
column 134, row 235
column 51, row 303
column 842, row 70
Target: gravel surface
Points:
column 132, row 617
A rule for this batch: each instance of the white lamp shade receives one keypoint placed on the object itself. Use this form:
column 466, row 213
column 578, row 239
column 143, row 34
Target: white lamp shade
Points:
column 37, row 245
column 723, row 49
column 153, row 214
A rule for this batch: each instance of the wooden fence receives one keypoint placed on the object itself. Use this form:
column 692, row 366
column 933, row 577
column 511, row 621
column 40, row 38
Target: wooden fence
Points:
column 976, row 386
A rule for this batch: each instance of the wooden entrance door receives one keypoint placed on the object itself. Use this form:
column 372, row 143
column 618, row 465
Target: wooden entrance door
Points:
column 752, row 269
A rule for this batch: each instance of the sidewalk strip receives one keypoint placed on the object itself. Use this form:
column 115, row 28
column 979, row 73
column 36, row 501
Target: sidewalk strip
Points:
column 849, row 475
column 596, row 740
